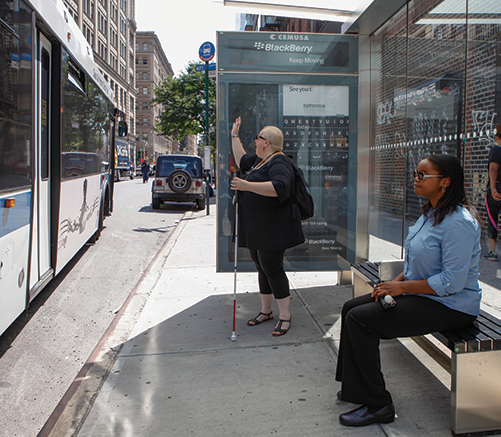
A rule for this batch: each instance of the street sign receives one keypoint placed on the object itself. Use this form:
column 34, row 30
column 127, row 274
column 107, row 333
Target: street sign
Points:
column 201, row 67
column 207, row 151
column 206, row 51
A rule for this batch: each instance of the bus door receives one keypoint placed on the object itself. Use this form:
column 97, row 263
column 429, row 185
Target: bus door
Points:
column 41, row 269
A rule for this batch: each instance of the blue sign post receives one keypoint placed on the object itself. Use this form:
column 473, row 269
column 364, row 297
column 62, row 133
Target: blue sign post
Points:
column 206, row 53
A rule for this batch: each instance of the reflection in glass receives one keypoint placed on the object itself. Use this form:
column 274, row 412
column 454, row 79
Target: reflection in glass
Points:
column 420, row 89
column 314, row 119
column 86, row 124
column 15, row 96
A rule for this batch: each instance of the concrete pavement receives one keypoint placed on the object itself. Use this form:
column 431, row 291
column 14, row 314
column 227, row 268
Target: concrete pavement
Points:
column 169, row 367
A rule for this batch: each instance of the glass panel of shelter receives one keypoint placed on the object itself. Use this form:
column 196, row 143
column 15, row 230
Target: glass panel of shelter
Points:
column 419, row 99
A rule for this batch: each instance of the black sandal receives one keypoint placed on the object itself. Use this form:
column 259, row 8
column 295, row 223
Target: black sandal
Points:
column 257, row 322
column 278, row 331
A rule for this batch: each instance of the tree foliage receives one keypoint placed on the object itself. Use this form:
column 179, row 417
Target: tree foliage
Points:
column 183, row 105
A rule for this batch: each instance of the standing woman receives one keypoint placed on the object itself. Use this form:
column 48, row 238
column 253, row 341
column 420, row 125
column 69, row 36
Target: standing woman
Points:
column 493, row 195
column 438, row 290
column 269, row 222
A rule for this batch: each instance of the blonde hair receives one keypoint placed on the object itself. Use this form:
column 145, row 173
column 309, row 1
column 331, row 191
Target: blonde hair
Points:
column 275, row 136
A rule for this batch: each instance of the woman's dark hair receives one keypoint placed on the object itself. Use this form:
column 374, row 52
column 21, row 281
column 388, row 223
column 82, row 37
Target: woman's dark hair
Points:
column 455, row 195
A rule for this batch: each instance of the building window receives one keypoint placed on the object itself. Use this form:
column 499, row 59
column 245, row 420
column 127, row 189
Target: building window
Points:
column 145, row 61
column 145, row 46
column 102, row 24
column 145, row 91
column 145, row 121
column 145, row 136
column 145, row 76
column 145, row 105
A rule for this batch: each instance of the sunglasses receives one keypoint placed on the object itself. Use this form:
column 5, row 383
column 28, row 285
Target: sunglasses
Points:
column 259, row 136
column 421, row 176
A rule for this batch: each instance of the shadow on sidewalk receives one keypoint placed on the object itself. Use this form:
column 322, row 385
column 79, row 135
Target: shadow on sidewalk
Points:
column 180, row 374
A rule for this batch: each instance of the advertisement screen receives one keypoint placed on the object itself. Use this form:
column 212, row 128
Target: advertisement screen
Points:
column 317, row 114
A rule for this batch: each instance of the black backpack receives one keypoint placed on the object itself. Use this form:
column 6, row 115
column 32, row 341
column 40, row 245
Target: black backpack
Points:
column 302, row 196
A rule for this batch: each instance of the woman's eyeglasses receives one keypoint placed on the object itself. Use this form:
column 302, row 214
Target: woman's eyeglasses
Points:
column 259, row 136
column 421, row 176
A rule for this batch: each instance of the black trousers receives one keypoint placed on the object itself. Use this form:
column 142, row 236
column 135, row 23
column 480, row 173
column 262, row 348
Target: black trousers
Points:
column 493, row 209
column 365, row 322
column 271, row 274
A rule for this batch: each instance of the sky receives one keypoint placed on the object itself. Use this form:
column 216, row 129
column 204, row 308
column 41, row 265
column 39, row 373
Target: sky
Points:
column 184, row 25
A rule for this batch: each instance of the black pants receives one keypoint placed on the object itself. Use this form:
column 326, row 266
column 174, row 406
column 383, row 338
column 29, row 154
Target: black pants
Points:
column 364, row 322
column 271, row 274
column 493, row 208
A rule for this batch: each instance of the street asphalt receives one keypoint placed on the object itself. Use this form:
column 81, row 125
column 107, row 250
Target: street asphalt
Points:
column 168, row 366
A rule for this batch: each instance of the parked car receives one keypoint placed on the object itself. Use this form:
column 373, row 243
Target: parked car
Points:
column 178, row 178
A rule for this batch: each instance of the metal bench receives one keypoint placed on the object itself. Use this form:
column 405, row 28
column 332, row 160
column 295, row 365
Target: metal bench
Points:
column 475, row 363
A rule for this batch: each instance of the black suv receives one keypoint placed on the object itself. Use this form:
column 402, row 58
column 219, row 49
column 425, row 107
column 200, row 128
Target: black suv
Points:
column 178, row 178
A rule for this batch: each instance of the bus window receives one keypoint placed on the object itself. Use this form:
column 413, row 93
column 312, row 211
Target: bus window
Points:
column 15, row 102
column 86, row 124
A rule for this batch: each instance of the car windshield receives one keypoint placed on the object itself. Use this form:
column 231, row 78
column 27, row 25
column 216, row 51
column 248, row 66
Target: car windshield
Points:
column 166, row 165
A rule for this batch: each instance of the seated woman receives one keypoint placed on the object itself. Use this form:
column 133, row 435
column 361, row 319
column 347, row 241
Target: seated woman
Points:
column 438, row 290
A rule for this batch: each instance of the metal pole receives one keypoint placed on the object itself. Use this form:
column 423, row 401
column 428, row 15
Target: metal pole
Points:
column 207, row 196
column 235, row 269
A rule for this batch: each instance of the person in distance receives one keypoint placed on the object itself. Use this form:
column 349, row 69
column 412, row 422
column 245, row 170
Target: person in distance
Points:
column 493, row 195
column 269, row 221
column 438, row 290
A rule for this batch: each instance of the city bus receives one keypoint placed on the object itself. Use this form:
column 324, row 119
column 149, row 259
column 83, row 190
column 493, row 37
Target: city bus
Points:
column 57, row 134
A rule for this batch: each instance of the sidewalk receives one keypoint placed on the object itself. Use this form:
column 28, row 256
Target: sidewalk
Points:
column 178, row 373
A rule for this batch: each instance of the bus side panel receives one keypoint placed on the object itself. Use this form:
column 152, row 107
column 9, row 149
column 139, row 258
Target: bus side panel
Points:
column 78, row 215
column 14, row 243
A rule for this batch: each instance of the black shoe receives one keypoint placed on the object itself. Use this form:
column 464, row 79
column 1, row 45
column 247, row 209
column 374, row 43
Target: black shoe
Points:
column 361, row 416
column 340, row 395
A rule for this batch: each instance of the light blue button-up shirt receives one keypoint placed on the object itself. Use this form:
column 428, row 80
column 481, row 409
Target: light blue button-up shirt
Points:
column 447, row 255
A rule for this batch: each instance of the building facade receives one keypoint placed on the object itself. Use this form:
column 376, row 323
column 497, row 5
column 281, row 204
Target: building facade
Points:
column 152, row 67
column 110, row 29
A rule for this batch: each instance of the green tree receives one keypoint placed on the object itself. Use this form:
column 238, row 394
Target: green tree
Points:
column 183, row 100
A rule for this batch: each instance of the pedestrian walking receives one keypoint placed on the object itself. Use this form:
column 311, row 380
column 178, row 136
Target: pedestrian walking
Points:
column 493, row 196
column 145, row 170
column 269, row 220
column 438, row 290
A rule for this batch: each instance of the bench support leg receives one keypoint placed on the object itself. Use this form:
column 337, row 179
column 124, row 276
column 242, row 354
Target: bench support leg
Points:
column 360, row 287
column 476, row 392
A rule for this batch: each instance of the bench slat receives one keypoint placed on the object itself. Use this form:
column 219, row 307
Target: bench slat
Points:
column 483, row 341
column 493, row 320
column 486, row 326
column 451, row 340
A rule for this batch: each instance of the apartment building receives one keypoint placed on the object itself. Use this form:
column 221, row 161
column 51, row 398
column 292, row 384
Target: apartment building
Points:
column 152, row 67
column 110, row 28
